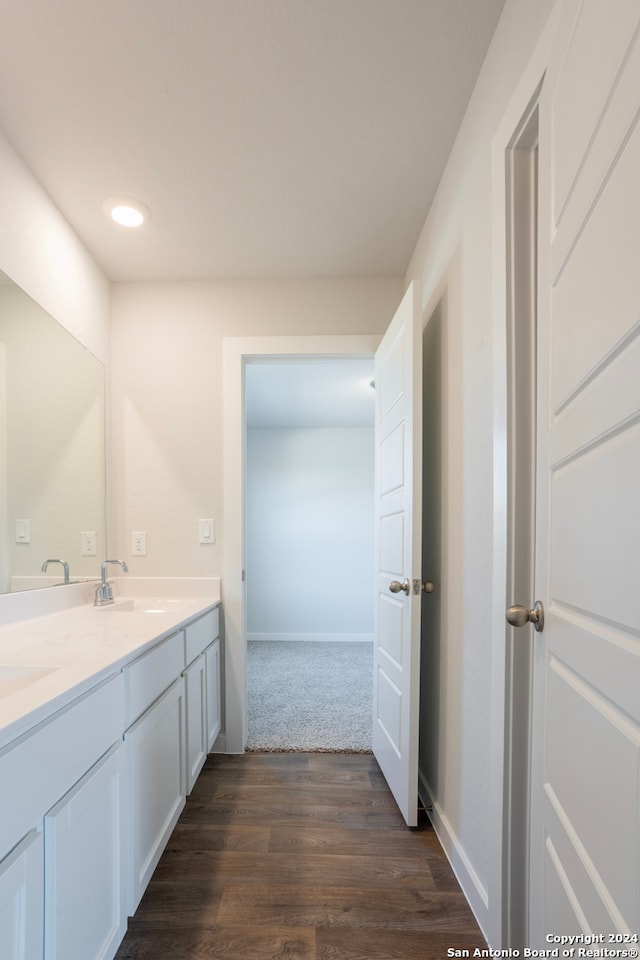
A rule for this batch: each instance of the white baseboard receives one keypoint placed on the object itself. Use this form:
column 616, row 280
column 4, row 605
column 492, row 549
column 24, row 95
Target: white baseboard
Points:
column 473, row 889
column 323, row 637
column 219, row 745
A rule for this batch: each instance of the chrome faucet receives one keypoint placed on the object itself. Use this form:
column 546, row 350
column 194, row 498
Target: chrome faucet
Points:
column 64, row 564
column 104, row 593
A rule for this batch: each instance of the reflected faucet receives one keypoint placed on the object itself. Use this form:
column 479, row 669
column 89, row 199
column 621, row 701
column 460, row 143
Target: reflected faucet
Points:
column 64, row 564
column 104, row 593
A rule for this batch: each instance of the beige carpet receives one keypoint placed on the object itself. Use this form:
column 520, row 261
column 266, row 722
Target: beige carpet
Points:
column 309, row 696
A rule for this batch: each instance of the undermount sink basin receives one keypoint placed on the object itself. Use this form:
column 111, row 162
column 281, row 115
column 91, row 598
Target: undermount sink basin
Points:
column 136, row 605
column 15, row 678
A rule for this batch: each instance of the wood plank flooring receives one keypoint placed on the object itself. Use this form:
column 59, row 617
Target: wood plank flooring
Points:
column 298, row 857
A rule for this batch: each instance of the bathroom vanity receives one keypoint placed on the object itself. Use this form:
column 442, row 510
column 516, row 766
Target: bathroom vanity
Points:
column 106, row 718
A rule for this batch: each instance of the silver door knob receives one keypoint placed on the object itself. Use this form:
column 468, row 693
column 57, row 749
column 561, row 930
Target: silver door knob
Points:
column 518, row 616
column 396, row 587
column 428, row 586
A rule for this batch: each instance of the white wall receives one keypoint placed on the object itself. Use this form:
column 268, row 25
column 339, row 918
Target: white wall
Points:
column 42, row 254
column 453, row 259
column 310, row 533
column 167, row 415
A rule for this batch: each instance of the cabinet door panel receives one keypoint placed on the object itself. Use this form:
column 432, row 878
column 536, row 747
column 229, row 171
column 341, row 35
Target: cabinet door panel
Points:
column 214, row 721
column 156, row 769
column 84, row 868
column 195, row 678
column 21, row 900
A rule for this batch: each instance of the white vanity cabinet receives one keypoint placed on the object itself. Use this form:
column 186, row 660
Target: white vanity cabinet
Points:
column 48, row 763
column 155, row 749
column 22, row 900
column 91, row 794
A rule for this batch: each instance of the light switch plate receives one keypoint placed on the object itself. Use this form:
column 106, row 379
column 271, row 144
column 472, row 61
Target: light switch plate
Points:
column 23, row 531
column 206, row 531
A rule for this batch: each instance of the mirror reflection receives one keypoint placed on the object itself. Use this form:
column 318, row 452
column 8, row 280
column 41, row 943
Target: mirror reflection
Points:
column 52, row 449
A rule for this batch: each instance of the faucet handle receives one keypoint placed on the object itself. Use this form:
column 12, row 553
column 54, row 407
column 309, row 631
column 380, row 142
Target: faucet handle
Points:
column 104, row 591
column 104, row 594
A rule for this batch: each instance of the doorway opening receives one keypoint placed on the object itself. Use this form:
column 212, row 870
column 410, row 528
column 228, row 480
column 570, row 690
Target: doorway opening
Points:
column 522, row 274
column 238, row 354
column 308, row 488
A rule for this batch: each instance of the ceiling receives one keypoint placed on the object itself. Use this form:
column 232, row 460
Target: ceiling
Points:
column 269, row 138
column 309, row 393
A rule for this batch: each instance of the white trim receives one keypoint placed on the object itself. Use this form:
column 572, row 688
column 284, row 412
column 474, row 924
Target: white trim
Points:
column 313, row 637
column 530, row 82
column 235, row 352
column 470, row 883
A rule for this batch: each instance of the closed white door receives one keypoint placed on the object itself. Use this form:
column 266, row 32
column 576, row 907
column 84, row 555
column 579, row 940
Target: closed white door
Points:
column 585, row 844
column 398, row 471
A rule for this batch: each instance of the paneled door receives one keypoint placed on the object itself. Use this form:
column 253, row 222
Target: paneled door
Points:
column 398, row 473
column 585, row 852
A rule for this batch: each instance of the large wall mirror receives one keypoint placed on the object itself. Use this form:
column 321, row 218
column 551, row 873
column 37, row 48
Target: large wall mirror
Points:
column 52, row 449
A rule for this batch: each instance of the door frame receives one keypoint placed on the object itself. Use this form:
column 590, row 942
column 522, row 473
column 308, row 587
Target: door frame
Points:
column 4, row 520
column 507, row 832
column 236, row 352
column 522, row 332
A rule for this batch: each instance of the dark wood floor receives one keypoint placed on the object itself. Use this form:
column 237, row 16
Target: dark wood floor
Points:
column 303, row 857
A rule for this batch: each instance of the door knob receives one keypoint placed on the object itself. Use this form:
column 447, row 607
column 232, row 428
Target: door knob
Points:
column 518, row 616
column 428, row 586
column 396, row 587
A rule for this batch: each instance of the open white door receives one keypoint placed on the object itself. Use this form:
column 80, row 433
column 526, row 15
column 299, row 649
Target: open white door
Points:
column 585, row 813
column 398, row 471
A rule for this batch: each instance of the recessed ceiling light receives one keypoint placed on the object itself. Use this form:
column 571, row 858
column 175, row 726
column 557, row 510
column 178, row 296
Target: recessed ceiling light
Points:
column 126, row 211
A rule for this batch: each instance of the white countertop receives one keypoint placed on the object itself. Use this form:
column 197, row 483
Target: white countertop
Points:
column 49, row 660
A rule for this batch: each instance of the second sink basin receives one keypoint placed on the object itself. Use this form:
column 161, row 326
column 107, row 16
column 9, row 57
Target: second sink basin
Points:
column 137, row 605
column 14, row 678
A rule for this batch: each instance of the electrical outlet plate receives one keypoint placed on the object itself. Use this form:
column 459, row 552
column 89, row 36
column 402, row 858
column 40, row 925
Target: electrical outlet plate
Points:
column 88, row 543
column 139, row 543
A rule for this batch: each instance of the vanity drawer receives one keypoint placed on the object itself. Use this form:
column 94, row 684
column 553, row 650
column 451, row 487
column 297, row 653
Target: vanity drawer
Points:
column 201, row 632
column 152, row 674
column 46, row 762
